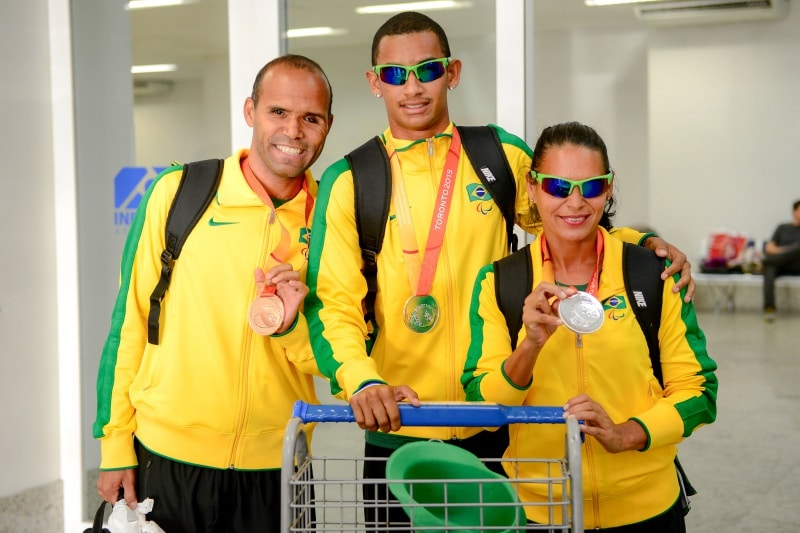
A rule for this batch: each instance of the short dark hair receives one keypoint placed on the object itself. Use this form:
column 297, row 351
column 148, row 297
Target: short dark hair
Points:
column 405, row 23
column 795, row 205
column 579, row 135
column 294, row 61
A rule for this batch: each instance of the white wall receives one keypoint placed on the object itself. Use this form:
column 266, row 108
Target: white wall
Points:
column 28, row 323
column 104, row 143
column 600, row 78
column 701, row 122
column 724, row 128
column 188, row 123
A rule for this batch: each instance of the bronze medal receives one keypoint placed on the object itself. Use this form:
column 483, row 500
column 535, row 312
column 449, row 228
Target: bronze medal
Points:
column 421, row 313
column 266, row 314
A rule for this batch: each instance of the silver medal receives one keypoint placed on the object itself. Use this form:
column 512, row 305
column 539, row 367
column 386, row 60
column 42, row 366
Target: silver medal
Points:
column 581, row 313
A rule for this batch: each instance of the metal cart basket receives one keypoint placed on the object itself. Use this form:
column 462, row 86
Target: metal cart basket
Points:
column 326, row 493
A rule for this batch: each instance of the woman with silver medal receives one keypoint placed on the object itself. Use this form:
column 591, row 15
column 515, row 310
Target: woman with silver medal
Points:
column 580, row 346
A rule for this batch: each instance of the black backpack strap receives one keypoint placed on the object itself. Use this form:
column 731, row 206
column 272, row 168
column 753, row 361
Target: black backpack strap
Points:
column 641, row 271
column 198, row 185
column 369, row 165
column 97, row 524
column 511, row 273
column 485, row 152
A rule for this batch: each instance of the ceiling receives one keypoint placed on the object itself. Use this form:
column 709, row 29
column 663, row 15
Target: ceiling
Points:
column 188, row 34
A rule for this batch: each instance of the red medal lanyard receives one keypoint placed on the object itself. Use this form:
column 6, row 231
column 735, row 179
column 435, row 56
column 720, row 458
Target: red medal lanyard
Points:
column 441, row 213
column 281, row 251
column 593, row 285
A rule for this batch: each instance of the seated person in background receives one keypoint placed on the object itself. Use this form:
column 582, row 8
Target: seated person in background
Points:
column 632, row 423
column 781, row 256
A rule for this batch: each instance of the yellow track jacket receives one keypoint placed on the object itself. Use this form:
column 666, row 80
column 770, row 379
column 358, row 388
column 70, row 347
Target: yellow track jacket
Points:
column 212, row 393
column 431, row 363
column 613, row 367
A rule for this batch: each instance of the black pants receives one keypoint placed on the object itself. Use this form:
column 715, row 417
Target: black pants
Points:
column 787, row 262
column 194, row 499
column 486, row 445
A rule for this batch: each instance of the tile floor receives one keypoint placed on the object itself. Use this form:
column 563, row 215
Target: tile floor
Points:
column 746, row 466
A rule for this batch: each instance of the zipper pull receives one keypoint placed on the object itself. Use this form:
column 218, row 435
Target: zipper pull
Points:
column 271, row 216
column 430, row 147
column 579, row 340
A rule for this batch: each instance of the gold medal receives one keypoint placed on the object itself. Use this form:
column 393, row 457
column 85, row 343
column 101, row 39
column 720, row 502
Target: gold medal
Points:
column 421, row 313
column 266, row 314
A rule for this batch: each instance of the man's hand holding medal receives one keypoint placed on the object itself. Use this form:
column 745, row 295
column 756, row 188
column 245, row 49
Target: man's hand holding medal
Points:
column 280, row 295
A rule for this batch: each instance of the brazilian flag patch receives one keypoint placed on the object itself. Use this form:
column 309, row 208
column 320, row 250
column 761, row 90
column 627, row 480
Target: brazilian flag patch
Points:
column 478, row 193
column 615, row 302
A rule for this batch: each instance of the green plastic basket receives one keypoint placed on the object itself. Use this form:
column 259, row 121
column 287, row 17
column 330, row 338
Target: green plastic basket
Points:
column 474, row 498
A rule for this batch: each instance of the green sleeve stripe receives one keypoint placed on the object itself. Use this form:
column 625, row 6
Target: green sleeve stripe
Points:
column 644, row 237
column 108, row 359
column 118, row 469
column 508, row 138
column 702, row 409
column 511, row 381
column 469, row 380
column 647, row 433
column 323, row 353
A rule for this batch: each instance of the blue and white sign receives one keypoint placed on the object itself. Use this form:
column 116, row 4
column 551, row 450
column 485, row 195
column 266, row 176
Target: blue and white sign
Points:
column 130, row 184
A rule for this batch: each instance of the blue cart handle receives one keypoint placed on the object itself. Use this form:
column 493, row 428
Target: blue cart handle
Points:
column 461, row 414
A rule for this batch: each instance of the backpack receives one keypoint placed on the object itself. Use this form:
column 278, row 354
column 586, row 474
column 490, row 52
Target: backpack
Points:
column 198, row 185
column 641, row 271
column 481, row 144
column 373, row 196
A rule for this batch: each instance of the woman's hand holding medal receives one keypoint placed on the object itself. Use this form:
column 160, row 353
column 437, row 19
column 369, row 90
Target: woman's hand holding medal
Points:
column 280, row 295
column 541, row 319
column 540, row 313
column 550, row 306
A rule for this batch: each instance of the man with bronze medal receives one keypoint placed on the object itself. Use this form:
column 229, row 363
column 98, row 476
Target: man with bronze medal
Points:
column 443, row 226
column 200, row 410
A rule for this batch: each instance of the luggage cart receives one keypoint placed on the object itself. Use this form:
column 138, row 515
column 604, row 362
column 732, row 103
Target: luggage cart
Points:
column 325, row 493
